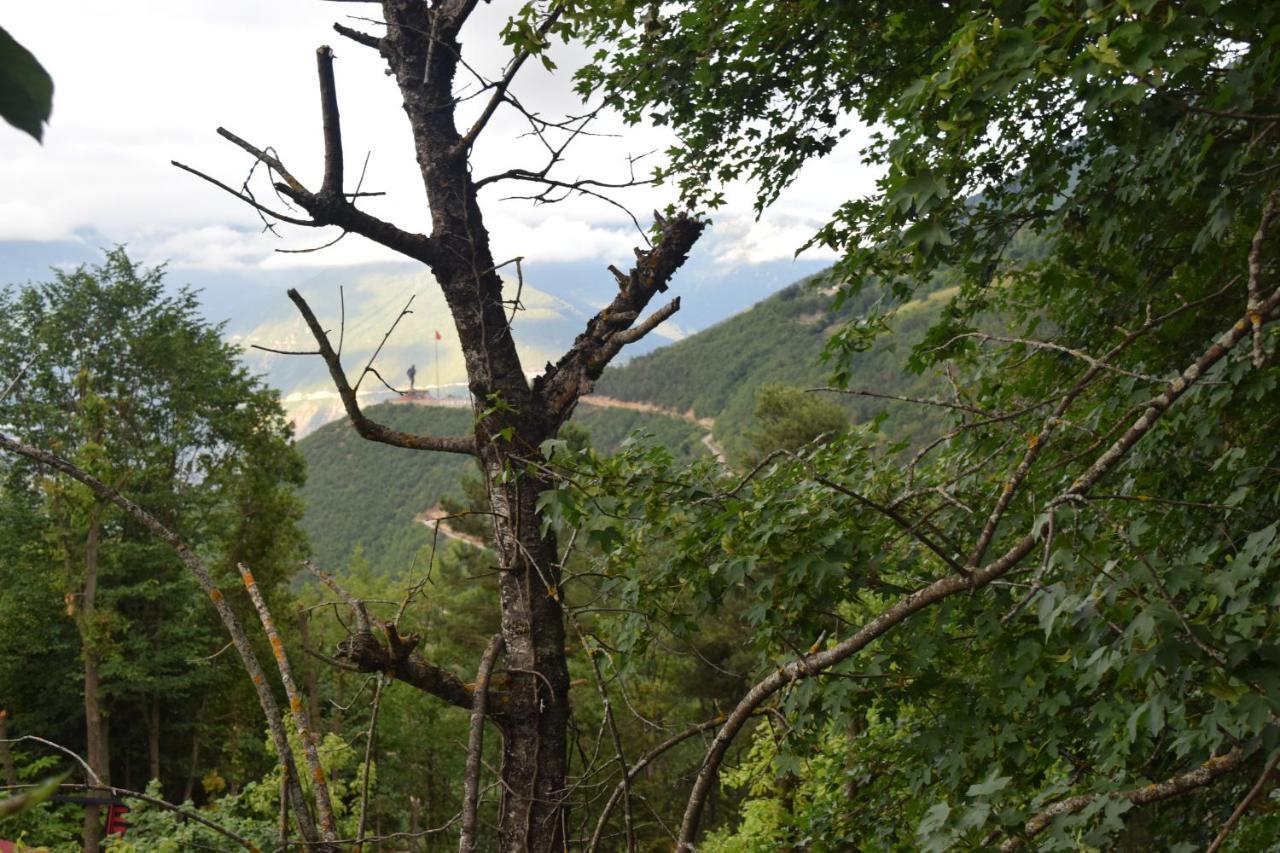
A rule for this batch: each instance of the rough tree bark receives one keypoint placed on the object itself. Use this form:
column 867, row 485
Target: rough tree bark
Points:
column 513, row 416
column 153, row 738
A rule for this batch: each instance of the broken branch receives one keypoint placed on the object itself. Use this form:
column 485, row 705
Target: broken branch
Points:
column 371, row 430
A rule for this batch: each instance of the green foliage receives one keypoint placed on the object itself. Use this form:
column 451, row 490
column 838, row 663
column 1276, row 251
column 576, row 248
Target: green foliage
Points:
column 26, row 90
column 966, row 723
column 1118, row 128
column 252, row 813
column 790, row 418
column 154, row 828
column 126, row 380
column 780, row 341
column 1097, row 180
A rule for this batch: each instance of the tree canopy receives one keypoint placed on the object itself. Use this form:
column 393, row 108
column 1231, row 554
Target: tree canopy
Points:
column 125, row 378
column 1038, row 609
column 1098, row 181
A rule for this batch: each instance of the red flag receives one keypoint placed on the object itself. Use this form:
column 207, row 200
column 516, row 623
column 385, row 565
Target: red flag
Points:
column 438, row 338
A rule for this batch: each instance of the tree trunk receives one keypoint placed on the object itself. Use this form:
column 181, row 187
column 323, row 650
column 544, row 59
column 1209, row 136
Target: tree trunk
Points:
column 6, row 755
column 415, row 821
column 94, row 720
column 189, row 792
column 512, row 416
column 309, row 677
column 535, row 723
column 510, row 422
column 153, row 737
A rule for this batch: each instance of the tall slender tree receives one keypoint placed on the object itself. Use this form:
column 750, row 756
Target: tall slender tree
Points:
column 138, row 390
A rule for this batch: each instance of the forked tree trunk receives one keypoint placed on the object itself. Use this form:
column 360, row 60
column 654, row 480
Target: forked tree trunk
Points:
column 153, row 737
column 513, row 417
column 510, row 426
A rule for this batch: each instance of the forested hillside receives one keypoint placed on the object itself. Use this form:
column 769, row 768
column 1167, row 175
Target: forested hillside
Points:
column 368, row 495
column 365, row 495
column 718, row 372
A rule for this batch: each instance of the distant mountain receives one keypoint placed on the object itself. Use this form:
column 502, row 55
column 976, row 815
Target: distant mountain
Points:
column 557, row 297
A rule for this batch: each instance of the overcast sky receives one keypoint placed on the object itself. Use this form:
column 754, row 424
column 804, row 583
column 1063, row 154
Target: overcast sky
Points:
column 141, row 82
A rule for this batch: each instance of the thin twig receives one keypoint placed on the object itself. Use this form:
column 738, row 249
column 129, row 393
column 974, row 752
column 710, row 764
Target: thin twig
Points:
column 879, row 395
column 475, row 747
column 628, row 820
column 1244, row 804
column 405, row 311
column 18, row 377
column 368, row 759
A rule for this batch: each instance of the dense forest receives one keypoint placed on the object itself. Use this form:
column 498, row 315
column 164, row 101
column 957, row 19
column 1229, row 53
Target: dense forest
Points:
column 970, row 542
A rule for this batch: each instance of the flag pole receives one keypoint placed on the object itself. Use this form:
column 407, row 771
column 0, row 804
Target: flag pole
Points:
column 438, row 391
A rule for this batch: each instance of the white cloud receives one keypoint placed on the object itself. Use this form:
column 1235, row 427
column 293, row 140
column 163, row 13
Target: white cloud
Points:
column 210, row 247
column 141, row 82
column 744, row 240
column 557, row 238
column 670, row 331
column 23, row 219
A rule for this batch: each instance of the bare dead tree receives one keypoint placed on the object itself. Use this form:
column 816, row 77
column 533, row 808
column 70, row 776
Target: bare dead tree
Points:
column 513, row 416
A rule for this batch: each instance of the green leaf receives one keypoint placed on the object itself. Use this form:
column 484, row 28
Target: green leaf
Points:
column 928, row 233
column 26, row 90
column 992, row 785
column 32, row 797
column 931, row 828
